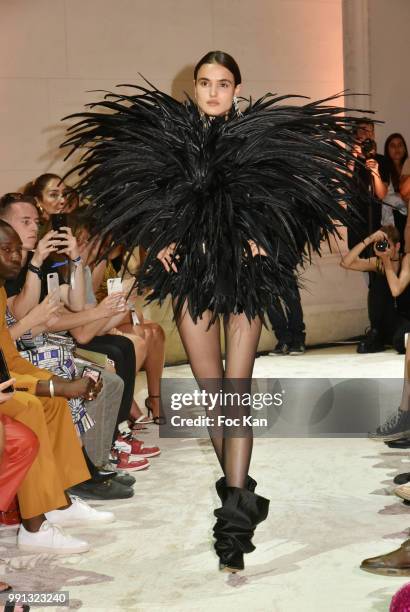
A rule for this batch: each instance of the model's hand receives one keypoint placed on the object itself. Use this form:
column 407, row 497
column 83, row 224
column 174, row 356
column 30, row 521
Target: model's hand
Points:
column 256, row 249
column 4, row 397
column 166, row 257
column 68, row 243
column 48, row 244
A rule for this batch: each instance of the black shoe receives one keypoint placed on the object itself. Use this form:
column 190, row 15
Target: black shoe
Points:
column 402, row 443
column 125, row 480
column 120, row 475
column 371, row 343
column 395, row 428
column 97, row 474
column 280, row 349
column 402, row 479
column 297, row 349
column 103, row 490
column 242, row 510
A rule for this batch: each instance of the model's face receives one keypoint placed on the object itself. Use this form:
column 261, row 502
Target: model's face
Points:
column 23, row 217
column 215, row 89
column 10, row 254
column 396, row 149
column 365, row 131
column 53, row 197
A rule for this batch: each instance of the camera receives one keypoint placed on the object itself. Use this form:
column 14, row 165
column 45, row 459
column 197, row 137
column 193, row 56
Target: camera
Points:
column 382, row 245
column 369, row 148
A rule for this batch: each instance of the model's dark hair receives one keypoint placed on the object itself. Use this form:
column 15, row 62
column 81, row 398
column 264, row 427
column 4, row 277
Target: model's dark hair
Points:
column 223, row 59
column 35, row 188
column 394, row 173
column 9, row 199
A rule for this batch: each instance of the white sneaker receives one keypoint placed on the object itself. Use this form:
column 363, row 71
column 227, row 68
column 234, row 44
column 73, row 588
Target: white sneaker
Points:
column 50, row 538
column 79, row 513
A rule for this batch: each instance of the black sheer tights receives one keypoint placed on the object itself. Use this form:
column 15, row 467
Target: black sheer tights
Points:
column 232, row 445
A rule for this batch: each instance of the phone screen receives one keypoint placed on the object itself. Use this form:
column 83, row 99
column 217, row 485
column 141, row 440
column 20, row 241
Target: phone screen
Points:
column 88, row 372
column 4, row 373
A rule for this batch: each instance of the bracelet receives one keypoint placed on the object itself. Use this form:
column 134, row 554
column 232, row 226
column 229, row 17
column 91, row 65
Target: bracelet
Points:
column 77, row 261
column 51, row 388
column 35, row 270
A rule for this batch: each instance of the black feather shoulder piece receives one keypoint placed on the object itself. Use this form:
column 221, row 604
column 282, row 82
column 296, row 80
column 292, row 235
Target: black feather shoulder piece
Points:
column 158, row 172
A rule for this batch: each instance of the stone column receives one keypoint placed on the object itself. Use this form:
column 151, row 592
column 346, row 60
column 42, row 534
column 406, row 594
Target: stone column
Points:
column 356, row 50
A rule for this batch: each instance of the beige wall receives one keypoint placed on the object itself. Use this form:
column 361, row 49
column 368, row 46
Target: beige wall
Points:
column 389, row 38
column 53, row 51
column 376, row 49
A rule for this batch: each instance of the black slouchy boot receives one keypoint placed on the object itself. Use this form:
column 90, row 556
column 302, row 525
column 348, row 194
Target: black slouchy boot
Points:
column 242, row 510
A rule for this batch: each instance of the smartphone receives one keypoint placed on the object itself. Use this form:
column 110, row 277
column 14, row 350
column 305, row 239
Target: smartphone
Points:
column 114, row 285
column 134, row 317
column 4, row 373
column 58, row 221
column 53, row 284
column 88, row 372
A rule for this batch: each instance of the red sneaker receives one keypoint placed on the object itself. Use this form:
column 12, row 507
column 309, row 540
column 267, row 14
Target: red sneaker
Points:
column 11, row 517
column 137, row 447
column 124, row 461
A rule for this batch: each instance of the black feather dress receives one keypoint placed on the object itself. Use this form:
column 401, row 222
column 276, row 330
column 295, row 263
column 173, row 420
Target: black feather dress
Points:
column 157, row 171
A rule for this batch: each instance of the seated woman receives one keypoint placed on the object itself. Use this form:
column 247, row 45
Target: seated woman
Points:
column 147, row 337
column 389, row 317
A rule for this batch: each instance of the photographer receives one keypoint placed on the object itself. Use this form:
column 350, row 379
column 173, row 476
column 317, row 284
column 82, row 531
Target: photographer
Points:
column 371, row 175
column 389, row 317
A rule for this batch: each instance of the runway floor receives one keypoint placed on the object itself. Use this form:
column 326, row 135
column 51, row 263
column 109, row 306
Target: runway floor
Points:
column 331, row 506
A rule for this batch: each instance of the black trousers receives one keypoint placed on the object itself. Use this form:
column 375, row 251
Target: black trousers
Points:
column 121, row 351
column 381, row 307
column 383, row 314
column 288, row 326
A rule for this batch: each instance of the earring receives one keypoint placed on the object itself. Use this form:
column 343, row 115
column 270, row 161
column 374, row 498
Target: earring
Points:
column 236, row 107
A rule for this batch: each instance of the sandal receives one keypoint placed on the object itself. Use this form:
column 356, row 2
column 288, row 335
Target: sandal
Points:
column 157, row 420
column 141, row 420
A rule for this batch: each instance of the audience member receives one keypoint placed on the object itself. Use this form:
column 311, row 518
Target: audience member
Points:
column 389, row 318
column 147, row 337
column 371, row 174
column 35, row 347
column 42, row 498
column 394, row 208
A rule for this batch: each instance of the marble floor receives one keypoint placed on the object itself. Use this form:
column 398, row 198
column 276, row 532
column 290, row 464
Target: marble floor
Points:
column 331, row 506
